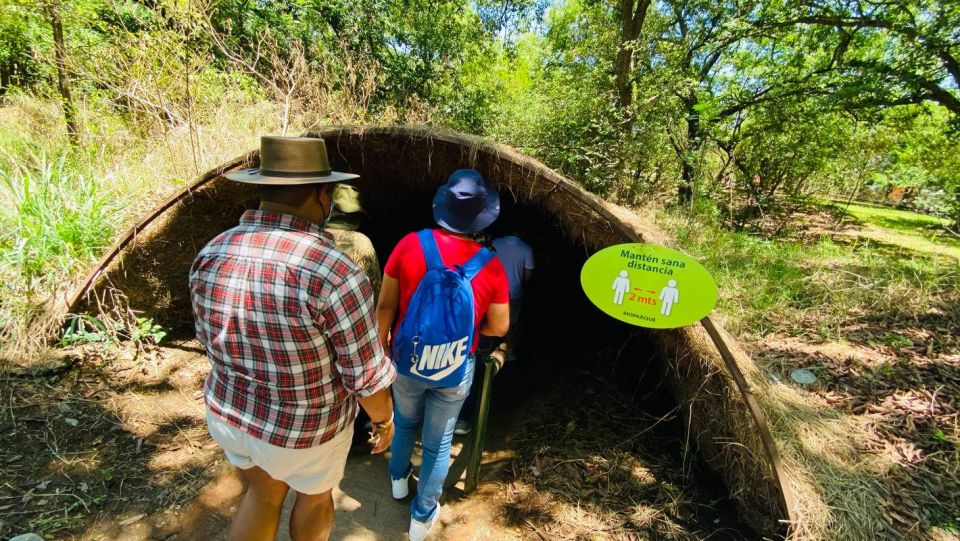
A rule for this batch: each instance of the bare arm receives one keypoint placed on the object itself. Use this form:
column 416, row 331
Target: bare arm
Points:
column 387, row 307
column 527, row 275
column 379, row 406
column 497, row 322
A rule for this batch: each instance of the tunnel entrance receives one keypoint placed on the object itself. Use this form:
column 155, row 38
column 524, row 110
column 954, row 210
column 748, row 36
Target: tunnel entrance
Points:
column 584, row 408
column 561, row 329
column 598, row 375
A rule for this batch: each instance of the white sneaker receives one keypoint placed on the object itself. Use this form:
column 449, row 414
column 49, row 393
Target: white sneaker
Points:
column 420, row 530
column 463, row 427
column 401, row 487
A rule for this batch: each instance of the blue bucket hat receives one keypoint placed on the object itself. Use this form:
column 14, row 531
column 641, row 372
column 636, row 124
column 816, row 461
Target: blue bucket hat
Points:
column 466, row 203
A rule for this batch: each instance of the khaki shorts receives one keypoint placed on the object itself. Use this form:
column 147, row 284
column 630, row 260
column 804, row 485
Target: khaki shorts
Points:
column 313, row 470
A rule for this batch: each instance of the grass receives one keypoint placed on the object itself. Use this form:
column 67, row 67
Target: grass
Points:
column 901, row 220
column 54, row 222
column 873, row 311
column 798, row 288
column 61, row 207
column 910, row 230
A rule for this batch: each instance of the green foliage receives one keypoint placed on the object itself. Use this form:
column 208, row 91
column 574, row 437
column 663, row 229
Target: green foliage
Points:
column 930, row 151
column 139, row 332
column 782, row 150
column 878, row 54
column 557, row 101
column 53, row 220
column 720, row 94
column 61, row 207
column 20, row 35
column 896, row 341
column 85, row 329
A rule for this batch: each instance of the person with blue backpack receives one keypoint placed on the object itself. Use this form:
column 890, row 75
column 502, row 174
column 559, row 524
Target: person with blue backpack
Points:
column 441, row 289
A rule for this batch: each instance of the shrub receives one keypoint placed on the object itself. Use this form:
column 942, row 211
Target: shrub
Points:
column 53, row 223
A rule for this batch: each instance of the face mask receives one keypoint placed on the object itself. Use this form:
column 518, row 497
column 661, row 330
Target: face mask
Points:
column 329, row 213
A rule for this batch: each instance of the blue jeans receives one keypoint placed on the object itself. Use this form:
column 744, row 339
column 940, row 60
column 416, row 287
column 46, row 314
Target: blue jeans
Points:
column 437, row 407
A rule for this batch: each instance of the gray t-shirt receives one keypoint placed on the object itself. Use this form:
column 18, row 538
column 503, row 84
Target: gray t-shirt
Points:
column 516, row 256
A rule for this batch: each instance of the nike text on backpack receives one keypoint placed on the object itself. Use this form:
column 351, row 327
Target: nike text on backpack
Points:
column 436, row 335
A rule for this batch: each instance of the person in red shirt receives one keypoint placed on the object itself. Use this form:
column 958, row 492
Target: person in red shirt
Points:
column 463, row 207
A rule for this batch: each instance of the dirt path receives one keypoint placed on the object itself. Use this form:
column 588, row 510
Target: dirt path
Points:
column 365, row 511
column 118, row 449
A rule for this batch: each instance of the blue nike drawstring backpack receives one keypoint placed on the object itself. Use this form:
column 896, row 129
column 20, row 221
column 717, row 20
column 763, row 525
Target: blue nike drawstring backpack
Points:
column 436, row 335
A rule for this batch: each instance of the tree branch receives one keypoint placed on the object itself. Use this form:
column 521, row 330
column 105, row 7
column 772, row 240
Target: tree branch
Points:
column 942, row 52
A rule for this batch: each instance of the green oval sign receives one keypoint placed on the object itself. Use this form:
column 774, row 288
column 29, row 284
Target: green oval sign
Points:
column 649, row 285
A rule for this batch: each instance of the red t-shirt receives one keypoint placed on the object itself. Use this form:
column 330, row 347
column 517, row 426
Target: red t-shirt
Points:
column 408, row 266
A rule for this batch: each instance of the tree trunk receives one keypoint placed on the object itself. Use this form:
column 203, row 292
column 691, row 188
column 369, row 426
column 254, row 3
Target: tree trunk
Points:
column 6, row 76
column 623, row 69
column 60, row 54
column 956, row 209
column 688, row 171
column 631, row 23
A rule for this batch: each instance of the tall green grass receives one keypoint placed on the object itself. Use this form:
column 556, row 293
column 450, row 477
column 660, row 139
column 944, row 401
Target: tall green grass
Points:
column 61, row 207
column 54, row 222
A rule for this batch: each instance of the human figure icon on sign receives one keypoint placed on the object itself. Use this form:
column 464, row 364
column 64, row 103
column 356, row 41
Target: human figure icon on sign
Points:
column 620, row 286
column 669, row 295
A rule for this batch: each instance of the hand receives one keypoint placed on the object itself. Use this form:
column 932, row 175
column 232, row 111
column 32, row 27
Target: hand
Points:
column 380, row 439
column 499, row 357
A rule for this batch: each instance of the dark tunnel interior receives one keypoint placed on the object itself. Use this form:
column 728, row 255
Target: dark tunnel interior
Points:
column 559, row 327
column 559, row 330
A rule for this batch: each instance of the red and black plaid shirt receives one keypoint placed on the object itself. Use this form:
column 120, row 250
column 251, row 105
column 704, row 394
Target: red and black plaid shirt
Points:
column 288, row 323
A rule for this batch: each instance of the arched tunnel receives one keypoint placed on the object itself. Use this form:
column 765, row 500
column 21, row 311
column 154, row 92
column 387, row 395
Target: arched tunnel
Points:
column 568, row 350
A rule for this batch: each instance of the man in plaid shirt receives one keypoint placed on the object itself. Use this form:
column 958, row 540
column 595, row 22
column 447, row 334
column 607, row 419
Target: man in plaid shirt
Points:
column 288, row 324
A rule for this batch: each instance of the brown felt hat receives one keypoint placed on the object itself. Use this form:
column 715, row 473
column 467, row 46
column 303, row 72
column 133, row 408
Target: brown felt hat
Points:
column 291, row 160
